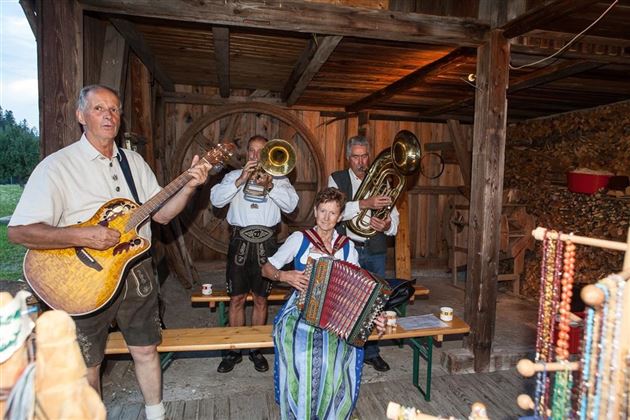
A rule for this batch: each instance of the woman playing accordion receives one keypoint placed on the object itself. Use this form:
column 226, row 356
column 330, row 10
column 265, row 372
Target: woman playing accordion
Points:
column 316, row 374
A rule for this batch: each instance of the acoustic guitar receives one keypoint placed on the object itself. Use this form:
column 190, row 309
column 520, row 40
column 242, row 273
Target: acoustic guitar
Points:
column 82, row 280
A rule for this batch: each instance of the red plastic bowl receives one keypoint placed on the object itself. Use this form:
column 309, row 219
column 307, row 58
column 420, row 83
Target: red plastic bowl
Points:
column 580, row 182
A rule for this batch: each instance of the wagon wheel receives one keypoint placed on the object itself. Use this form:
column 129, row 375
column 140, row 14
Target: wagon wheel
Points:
column 237, row 123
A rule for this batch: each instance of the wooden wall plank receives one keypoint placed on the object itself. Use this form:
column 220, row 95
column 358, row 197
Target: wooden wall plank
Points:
column 114, row 62
column 60, row 68
column 141, row 115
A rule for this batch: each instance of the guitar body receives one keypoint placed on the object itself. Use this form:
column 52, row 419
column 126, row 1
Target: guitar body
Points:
column 82, row 280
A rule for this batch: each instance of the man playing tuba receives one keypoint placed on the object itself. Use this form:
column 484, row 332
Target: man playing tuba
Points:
column 373, row 250
column 253, row 221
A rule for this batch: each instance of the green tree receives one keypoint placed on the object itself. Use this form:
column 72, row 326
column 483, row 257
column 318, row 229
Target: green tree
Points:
column 19, row 146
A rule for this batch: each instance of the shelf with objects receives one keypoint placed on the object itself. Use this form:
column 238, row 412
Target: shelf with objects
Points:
column 595, row 383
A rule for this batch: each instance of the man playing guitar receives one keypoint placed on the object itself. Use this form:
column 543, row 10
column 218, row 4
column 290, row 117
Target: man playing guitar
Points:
column 67, row 188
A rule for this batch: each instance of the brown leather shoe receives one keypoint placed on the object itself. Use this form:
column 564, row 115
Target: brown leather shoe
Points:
column 229, row 360
column 260, row 363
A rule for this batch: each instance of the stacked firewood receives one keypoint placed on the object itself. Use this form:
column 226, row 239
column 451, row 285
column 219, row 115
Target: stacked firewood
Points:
column 539, row 153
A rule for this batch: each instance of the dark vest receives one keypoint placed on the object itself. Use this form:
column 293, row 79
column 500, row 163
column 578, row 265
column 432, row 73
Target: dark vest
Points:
column 377, row 244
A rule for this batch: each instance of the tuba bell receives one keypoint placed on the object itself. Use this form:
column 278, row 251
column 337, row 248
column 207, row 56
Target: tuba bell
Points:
column 277, row 158
column 386, row 176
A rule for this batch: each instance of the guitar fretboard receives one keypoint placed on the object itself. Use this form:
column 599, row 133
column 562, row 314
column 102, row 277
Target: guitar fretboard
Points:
column 144, row 211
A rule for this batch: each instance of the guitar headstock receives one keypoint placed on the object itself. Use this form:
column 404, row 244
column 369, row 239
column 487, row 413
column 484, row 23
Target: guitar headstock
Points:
column 221, row 153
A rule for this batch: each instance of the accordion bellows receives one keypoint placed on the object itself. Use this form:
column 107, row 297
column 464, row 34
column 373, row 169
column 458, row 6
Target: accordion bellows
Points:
column 342, row 298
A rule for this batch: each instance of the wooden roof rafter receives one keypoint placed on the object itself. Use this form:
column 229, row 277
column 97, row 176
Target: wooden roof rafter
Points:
column 307, row 17
column 539, row 16
column 221, row 40
column 311, row 60
column 136, row 42
column 412, row 79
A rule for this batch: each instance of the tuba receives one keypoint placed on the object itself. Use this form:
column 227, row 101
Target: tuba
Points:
column 386, row 176
column 277, row 158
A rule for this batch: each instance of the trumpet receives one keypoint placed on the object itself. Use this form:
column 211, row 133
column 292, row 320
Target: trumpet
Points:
column 277, row 158
column 386, row 176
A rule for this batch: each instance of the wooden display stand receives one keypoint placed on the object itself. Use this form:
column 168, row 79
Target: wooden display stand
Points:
column 593, row 296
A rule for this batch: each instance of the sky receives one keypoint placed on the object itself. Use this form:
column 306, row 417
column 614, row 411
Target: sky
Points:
column 18, row 64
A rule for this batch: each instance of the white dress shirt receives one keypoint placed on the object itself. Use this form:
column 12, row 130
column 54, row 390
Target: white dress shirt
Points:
column 352, row 209
column 286, row 253
column 70, row 185
column 242, row 212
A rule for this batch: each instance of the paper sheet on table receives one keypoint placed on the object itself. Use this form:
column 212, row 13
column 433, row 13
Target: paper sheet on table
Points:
column 421, row 322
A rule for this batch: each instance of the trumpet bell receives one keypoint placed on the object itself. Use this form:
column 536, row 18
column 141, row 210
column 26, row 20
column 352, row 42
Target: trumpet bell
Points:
column 278, row 157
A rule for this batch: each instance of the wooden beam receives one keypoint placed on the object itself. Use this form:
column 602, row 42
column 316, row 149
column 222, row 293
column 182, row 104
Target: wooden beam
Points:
column 460, row 144
column 451, row 106
column 29, row 7
column 60, row 68
column 311, row 60
column 221, row 39
column 307, row 17
column 551, row 73
column 139, row 46
column 114, row 63
column 201, row 99
column 538, row 17
column 486, row 194
column 364, row 124
column 411, row 79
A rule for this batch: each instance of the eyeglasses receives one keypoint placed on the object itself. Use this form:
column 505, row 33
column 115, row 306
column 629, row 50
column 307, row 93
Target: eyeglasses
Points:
column 100, row 110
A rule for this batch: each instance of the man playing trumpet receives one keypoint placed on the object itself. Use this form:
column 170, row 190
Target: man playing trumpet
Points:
column 372, row 251
column 253, row 221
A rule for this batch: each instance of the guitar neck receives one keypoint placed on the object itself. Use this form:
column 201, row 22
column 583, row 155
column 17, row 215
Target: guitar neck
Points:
column 145, row 210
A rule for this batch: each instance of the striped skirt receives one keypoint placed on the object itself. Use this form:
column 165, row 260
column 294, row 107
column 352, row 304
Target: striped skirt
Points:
column 316, row 375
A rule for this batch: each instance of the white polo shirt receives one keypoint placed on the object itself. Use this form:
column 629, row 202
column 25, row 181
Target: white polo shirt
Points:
column 70, row 185
column 281, row 198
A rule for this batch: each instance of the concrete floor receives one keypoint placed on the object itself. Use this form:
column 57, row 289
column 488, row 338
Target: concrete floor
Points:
column 193, row 375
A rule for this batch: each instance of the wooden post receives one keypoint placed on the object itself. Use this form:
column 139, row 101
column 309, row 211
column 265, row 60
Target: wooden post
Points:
column 486, row 195
column 60, row 68
column 403, row 248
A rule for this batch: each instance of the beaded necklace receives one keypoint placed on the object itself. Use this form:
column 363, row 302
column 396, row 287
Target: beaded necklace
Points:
column 616, row 314
column 600, row 374
column 625, row 397
column 563, row 380
column 544, row 344
column 594, row 357
column 586, row 362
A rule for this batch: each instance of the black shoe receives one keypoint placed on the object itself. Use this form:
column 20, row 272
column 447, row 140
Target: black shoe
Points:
column 377, row 363
column 228, row 362
column 260, row 363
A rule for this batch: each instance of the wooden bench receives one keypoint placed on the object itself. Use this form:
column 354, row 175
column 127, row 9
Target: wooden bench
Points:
column 221, row 298
column 233, row 338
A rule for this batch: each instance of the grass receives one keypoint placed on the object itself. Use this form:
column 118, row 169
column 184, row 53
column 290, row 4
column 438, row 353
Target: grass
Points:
column 10, row 255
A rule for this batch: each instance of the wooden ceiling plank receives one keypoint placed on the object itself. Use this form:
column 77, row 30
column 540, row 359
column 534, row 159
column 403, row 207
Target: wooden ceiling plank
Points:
column 221, row 39
column 551, row 73
column 139, row 46
column 307, row 17
column 324, row 47
column 410, row 80
column 538, row 17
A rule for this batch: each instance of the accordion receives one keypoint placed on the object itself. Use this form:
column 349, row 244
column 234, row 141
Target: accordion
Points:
column 342, row 298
